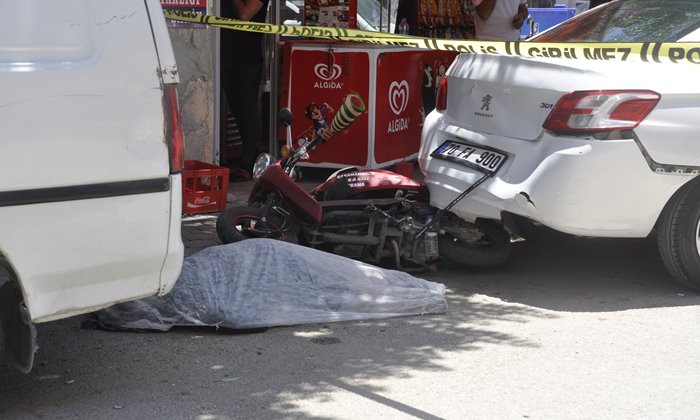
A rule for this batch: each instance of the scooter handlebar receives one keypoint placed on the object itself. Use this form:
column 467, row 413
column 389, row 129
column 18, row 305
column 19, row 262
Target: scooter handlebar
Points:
column 352, row 108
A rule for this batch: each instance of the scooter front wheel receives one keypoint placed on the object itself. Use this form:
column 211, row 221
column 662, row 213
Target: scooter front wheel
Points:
column 239, row 223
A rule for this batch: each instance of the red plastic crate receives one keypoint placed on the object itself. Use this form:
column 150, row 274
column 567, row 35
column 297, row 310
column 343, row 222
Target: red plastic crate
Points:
column 204, row 187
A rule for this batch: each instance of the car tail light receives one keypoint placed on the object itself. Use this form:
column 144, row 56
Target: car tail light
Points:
column 175, row 137
column 601, row 110
column 441, row 97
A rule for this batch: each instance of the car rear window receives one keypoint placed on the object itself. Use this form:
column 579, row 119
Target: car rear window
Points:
column 630, row 21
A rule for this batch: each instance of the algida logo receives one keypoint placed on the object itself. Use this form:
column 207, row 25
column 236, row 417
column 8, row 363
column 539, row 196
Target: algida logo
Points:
column 328, row 75
column 398, row 101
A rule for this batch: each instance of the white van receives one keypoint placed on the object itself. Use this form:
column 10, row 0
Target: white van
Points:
column 91, row 150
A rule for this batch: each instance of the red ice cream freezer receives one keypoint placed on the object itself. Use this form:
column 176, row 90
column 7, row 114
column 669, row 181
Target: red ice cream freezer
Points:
column 398, row 86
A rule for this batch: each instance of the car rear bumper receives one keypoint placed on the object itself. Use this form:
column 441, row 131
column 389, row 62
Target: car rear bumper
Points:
column 579, row 186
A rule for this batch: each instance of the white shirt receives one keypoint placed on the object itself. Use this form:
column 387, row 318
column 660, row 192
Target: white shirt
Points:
column 499, row 26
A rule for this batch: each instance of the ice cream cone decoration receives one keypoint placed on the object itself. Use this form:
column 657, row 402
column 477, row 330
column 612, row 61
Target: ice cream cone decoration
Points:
column 353, row 106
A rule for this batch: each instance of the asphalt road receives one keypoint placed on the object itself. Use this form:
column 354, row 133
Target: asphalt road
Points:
column 571, row 328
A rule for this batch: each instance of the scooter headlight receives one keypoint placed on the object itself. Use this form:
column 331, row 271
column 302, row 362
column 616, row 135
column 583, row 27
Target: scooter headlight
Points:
column 263, row 161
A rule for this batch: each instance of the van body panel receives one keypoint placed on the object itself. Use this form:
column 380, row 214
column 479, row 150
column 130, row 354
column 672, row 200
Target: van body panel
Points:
column 162, row 40
column 84, row 260
column 176, row 249
column 82, row 112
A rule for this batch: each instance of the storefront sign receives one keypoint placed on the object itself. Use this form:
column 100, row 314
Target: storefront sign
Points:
column 331, row 13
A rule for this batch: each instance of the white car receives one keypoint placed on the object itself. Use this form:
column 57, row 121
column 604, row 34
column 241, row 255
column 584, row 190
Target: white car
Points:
column 597, row 148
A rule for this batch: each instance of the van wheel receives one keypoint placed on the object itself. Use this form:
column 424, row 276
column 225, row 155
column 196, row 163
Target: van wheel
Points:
column 17, row 329
column 678, row 235
column 239, row 223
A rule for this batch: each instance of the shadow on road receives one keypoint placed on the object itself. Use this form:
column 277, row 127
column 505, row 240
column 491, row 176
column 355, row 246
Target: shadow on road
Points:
column 561, row 272
column 100, row 374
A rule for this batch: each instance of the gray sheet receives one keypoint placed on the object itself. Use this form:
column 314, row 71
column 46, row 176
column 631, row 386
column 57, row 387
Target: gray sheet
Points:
column 263, row 283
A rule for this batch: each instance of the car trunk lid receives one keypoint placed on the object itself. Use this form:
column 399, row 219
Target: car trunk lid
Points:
column 492, row 95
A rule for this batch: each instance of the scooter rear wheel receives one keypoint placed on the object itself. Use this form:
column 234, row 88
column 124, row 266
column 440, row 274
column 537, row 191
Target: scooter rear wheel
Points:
column 239, row 223
column 491, row 251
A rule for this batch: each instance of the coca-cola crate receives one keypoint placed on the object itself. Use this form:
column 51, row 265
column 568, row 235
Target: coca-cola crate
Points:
column 204, row 187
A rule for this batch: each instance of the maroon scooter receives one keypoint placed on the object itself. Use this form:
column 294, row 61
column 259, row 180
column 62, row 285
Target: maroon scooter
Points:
column 369, row 215
column 372, row 215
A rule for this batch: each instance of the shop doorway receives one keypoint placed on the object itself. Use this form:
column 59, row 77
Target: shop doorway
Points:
column 230, row 141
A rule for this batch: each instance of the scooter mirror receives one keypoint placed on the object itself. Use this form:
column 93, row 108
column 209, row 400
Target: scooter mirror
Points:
column 285, row 117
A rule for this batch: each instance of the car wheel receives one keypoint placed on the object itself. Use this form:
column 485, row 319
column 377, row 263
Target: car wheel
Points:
column 239, row 223
column 678, row 235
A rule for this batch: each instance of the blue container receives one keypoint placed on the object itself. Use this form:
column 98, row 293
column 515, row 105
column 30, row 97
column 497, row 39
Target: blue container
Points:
column 543, row 18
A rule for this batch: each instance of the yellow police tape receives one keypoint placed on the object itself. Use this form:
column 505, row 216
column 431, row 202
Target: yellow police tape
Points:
column 656, row 52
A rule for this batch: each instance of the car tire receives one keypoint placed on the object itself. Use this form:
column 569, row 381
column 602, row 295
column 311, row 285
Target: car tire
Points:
column 678, row 235
column 492, row 251
column 239, row 223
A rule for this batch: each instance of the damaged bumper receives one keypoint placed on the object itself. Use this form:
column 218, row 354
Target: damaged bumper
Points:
column 555, row 181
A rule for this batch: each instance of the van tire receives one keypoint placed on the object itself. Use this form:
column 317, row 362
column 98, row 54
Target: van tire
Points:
column 678, row 235
column 18, row 332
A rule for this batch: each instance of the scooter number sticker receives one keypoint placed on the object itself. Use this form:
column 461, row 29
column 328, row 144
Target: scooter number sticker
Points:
column 472, row 156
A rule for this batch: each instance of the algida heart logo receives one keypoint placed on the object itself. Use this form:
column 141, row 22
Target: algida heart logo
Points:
column 398, row 96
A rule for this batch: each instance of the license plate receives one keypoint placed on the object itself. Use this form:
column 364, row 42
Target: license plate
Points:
column 475, row 157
